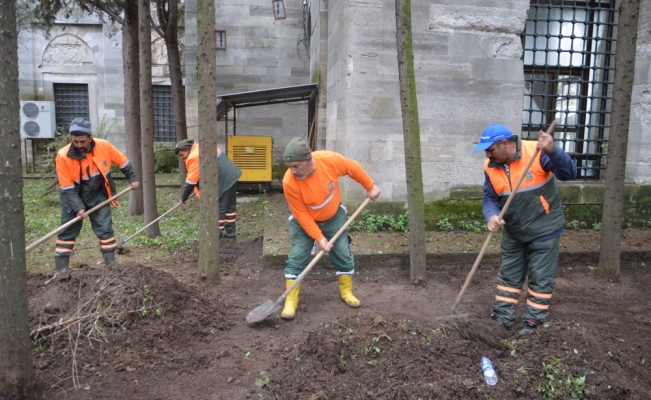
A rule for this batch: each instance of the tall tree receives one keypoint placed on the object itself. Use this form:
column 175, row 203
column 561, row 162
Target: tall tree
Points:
column 16, row 371
column 147, row 119
column 411, row 134
column 209, row 205
column 167, row 12
column 611, row 223
column 131, row 66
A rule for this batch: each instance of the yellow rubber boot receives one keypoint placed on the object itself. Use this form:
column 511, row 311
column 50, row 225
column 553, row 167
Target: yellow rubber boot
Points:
column 291, row 301
column 346, row 287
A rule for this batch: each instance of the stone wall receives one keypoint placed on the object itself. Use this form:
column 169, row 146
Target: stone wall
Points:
column 468, row 75
column 638, row 165
column 261, row 53
column 78, row 50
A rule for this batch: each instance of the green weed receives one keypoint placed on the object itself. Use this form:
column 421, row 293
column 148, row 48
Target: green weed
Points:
column 444, row 225
column 596, row 226
column 263, row 380
column 572, row 225
column 555, row 385
column 369, row 222
column 473, row 226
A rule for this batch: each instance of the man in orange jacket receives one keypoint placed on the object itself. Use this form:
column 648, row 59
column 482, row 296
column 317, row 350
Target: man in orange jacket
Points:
column 227, row 179
column 84, row 171
column 311, row 186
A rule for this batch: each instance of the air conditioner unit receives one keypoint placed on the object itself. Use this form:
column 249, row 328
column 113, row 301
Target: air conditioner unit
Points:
column 37, row 120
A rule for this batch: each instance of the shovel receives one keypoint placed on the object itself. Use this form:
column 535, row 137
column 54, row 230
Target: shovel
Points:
column 75, row 220
column 124, row 247
column 466, row 325
column 270, row 307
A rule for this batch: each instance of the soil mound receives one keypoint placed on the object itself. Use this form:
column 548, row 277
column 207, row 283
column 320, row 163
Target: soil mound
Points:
column 120, row 317
column 401, row 359
column 156, row 330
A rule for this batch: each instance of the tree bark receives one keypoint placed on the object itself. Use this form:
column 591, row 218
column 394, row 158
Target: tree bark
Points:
column 411, row 134
column 611, row 223
column 130, row 62
column 209, row 205
column 16, row 371
column 168, row 20
column 147, row 119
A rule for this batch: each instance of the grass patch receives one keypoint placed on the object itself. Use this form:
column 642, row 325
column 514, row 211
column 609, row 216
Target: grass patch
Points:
column 179, row 229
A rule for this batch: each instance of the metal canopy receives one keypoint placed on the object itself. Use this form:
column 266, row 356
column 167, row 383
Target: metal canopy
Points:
column 264, row 97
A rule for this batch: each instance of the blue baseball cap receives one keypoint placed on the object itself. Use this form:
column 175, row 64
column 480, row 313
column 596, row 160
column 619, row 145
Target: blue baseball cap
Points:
column 492, row 134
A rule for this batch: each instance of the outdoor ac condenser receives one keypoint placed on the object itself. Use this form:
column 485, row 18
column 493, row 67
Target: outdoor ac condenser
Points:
column 37, row 120
column 252, row 155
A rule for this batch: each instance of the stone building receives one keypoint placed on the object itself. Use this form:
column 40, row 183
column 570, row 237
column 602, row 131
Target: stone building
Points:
column 517, row 62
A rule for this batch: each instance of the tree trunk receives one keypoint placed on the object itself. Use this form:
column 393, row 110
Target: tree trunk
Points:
column 147, row 119
column 130, row 62
column 611, row 223
column 209, row 205
column 411, row 133
column 16, row 370
column 176, row 79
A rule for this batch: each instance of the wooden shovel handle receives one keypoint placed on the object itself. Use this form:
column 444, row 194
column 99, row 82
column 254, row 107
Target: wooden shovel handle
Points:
column 156, row 220
column 550, row 131
column 75, row 220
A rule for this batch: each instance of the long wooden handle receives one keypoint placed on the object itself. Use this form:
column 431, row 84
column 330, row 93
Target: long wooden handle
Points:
column 75, row 220
column 156, row 220
column 321, row 252
column 550, row 131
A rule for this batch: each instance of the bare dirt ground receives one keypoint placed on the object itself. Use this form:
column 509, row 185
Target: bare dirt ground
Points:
column 154, row 330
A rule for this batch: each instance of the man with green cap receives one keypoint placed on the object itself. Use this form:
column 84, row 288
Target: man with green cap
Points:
column 84, row 171
column 311, row 186
column 228, row 176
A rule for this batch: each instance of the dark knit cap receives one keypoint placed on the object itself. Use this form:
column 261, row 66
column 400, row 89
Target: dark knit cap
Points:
column 297, row 150
column 80, row 127
column 183, row 145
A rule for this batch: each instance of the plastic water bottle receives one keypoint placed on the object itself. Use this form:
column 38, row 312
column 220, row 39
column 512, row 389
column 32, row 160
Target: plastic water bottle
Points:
column 489, row 373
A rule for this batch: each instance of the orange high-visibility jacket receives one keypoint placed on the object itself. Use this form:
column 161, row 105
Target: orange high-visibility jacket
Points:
column 317, row 197
column 229, row 173
column 536, row 209
column 80, row 173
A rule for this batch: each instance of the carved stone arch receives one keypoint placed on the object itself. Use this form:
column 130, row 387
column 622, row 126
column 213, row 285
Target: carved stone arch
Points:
column 68, row 49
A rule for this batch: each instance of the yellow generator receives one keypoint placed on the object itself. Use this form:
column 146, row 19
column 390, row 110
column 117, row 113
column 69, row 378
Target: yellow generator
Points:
column 252, row 155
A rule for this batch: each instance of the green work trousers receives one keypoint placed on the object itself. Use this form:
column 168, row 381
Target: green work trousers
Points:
column 340, row 255
column 228, row 209
column 100, row 220
column 536, row 261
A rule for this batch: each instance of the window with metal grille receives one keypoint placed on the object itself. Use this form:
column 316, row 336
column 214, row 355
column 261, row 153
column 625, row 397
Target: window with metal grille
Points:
column 568, row 74
column 70, row 101
column 164, row 121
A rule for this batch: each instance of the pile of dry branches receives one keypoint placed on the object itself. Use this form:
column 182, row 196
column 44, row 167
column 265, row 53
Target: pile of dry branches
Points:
column 108, row 298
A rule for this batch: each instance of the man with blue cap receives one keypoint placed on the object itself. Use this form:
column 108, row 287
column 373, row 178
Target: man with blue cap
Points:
column 533, row 223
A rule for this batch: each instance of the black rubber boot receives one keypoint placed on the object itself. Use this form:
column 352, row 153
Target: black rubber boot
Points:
column 61, row 264
column 109, row 258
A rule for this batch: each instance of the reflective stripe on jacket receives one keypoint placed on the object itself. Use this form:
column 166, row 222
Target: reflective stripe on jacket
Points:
column 536, row 209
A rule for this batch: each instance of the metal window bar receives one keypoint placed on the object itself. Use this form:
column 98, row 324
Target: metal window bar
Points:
column 164, row 121
column 568, row 67
column 70, row 101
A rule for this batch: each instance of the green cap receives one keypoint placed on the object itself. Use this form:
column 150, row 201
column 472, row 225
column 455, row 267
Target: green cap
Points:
column 297, row 150
column 183, row 145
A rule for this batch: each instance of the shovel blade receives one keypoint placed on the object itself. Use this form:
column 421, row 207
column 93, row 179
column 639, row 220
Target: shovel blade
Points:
column 263, row 311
